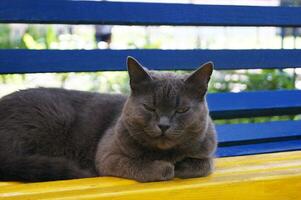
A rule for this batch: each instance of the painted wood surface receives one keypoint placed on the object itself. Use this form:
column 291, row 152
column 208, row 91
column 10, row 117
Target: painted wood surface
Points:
column 260, row 177
column 259, row 148
column 258, row 138
column 245, row 133
column 92, row 12
column 252, row 104
column 32, row 61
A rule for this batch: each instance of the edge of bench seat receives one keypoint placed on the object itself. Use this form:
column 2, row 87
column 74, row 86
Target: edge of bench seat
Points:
column 250, row 177
column 254, row 103
column 256, row 138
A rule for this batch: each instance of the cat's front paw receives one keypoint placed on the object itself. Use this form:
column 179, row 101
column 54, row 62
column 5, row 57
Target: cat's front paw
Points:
column 159, row 170
column 191, row 168
column 165, row 170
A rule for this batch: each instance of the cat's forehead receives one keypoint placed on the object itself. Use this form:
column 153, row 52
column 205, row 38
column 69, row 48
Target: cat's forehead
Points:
column 167, row 87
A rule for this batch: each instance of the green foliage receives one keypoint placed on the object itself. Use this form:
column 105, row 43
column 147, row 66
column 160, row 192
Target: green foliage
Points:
column 6, row 41
column 39, row 38
column 219, row 84
column 50, row 37
column 116, row 82
column 269, row 79
column 257, row 119
column 250, row 80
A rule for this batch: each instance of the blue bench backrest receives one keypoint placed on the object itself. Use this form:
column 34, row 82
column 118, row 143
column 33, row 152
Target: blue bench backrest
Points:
column 236, row 139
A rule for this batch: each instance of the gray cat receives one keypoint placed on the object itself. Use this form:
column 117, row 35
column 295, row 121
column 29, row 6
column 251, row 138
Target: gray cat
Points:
column 161, row 131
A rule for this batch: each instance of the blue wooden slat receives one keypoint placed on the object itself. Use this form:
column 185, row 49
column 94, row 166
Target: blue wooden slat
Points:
column 238, row 134
column 89, row 12
column 251, row 104
column 260, row 148
column 29, row 61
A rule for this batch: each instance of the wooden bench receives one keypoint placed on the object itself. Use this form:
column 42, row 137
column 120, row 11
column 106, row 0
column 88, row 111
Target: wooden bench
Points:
column 245, row 176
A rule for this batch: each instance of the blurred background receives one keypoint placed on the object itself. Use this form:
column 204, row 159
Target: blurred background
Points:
column 155, row 37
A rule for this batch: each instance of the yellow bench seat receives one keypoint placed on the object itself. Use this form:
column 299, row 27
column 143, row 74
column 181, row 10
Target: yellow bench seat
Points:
column 267, row 176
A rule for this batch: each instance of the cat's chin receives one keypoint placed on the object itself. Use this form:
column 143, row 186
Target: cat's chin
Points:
column 164, row 144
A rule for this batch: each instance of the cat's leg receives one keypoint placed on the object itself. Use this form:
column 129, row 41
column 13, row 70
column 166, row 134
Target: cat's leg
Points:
column 192, row 167
column 138, row 169
column 39, row 168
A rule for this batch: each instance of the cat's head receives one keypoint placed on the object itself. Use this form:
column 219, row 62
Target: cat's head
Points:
column 166, row 109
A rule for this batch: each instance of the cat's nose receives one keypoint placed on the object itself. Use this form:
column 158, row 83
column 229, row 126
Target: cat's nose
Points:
column 164, row 124
column 163, row 127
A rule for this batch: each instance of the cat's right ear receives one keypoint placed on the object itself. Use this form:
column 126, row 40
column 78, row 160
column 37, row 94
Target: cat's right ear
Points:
column 138, row 75
column 199, row 79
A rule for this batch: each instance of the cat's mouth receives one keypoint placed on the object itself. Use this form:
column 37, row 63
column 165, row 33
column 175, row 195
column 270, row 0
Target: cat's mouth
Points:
column 169, row 135
column 164, row 142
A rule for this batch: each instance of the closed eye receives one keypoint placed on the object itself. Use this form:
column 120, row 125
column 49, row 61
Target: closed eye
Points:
column 149, row 108
column 182, row 110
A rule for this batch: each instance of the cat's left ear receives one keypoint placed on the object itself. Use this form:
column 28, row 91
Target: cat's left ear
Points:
column 138, row 75
column 199, row 79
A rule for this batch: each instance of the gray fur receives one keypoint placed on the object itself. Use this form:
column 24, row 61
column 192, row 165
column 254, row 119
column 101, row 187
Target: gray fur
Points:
column 52, row 134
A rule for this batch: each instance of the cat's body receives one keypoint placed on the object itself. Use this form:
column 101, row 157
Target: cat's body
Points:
column 54, row 123
column 160, row 131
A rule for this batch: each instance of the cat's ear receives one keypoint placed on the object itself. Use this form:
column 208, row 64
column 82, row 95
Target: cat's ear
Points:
column 199, row 79
column 137, row 73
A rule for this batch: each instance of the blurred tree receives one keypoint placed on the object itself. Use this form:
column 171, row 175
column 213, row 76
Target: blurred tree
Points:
column 269, row 79
column 6, row 41
column 39, row 37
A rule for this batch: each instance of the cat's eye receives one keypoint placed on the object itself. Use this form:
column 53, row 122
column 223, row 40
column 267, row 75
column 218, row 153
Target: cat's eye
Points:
column 182, row 110
column 149, row 108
